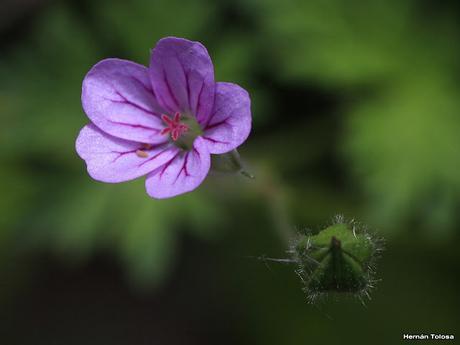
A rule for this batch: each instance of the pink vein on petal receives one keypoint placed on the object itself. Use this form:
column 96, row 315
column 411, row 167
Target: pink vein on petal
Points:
column 164, row 104
column 216, row 124
column 134, row 125
column 121, row 154
column 189, row 100
column 147, row 88
column 198, row 102
column 167, row 164
column 184, row 168
column 185, row 77
column 153, row 157
column 124, row 100
column 216, row 111
column 165, row 79
column 197, row 152
column 214, row 140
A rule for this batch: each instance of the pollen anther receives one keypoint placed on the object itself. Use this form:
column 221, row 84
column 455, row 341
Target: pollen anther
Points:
column 141, row 154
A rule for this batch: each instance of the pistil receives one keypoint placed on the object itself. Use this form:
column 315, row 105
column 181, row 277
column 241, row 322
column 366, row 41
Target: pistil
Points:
column 174, row 126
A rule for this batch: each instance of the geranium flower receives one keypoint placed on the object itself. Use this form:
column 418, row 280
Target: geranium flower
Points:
column 163, row 121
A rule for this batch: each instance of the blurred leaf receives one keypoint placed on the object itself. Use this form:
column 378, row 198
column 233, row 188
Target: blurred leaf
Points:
column 343, row 42
column 401, row 138
column 44, row 84
column 89, row 216
column 141, row 24
column 404, row 146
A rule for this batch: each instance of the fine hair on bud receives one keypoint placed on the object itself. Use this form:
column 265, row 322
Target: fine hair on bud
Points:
column 339, row 259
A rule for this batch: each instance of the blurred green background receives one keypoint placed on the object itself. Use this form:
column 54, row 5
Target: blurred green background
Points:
column 356, row 110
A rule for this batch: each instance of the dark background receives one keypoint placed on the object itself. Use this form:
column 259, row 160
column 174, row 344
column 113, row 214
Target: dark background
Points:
column 356, row 110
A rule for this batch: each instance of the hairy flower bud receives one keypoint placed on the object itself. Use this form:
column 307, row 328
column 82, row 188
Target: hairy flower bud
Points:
column 339, row 258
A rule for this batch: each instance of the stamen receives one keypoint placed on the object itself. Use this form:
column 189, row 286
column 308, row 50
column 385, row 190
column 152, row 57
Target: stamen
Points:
column 167, row 119
column 165, row 130
column 176, row 117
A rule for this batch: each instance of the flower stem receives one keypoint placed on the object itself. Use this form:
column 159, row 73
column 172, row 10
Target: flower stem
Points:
column 271, row 189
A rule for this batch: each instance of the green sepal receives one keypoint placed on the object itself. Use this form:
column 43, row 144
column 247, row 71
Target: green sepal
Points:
column 337, row 259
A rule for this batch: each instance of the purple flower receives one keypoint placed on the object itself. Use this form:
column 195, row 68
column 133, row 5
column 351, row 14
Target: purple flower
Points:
column 163, row 121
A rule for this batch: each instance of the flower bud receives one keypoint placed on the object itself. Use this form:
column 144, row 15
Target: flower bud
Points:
column 339, row 258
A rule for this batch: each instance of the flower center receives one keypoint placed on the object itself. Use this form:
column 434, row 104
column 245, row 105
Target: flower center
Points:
column 174, row 126
column 183, row 129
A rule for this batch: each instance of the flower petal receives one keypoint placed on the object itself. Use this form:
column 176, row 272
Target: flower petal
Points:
column 118, row 98
column 182, row 77
column 230, row 121
column 181, row 174
column 110, row 159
